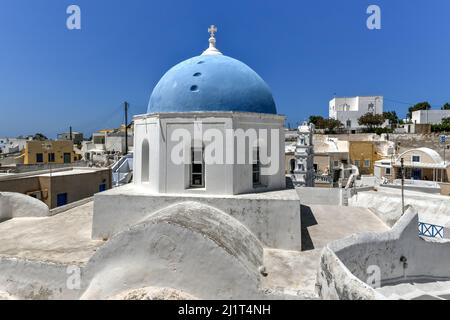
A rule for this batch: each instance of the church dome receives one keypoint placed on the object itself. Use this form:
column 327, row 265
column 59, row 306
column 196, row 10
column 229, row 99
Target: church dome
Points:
column 211, row 82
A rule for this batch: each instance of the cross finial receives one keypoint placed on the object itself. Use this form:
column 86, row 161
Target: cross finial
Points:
column 212, row 50
column 212, row 29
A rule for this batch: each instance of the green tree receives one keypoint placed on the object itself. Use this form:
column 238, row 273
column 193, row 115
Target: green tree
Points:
column 39, row 137
column 330, row 125
column 446, row 121
column 442, row 127
column 446, row 106
column 327, row 124
column 371, row 121
column 392, row 117
column 315, row 120
column 418, row 106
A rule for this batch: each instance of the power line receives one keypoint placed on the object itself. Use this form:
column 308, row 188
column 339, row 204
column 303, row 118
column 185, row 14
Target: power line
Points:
column 101, row 120
column 407, row 103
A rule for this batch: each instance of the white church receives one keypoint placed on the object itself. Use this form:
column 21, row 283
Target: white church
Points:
column 209, row 193
column 207, row 98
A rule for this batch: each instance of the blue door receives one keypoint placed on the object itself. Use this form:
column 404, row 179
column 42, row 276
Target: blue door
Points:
column 67, row 158
column 61, row 199
column 416, row 174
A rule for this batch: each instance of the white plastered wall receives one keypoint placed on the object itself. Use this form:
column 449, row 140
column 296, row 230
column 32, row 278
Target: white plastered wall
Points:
column 165, row 176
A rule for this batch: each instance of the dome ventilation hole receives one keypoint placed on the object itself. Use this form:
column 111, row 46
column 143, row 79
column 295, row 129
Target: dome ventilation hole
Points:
column 197, row 74
column 194, row 88
column 200, row 62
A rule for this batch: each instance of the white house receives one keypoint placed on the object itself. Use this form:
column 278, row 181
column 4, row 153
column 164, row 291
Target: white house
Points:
column 419, row 163
column 12, row 145
column 115, row 142
column 349, row 109
column 429, row 116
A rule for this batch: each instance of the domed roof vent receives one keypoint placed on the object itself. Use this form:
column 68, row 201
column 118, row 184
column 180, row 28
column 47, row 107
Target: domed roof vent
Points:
column 211, row 82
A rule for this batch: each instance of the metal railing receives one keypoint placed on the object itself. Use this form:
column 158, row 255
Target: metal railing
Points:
column 431, row 230
column 323, row 179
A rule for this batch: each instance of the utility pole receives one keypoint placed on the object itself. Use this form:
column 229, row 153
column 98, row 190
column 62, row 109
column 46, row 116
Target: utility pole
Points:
column 445, row 140
column 444, row 155
column 126, row 105
column 442, row 141
column 70, row 133
column 402, row 171
column 49, row 148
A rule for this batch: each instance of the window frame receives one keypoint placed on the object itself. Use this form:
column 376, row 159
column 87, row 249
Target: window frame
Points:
column 66, row 197
column 201, row 172
column 51, row 159
column 41, row 156
column 256, row 169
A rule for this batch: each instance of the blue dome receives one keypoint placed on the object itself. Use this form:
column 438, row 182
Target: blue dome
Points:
column 211, row 83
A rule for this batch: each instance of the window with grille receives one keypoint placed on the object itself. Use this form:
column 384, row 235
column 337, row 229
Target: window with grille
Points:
column 256, row 167
column 197, row 168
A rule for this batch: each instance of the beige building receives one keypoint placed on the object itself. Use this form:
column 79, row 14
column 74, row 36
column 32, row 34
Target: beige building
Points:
column 363, row 155
column 420, row 164
column 44, row 152
column 423, row 164
column 329, row 154
column 331, row 157
column 60, row 186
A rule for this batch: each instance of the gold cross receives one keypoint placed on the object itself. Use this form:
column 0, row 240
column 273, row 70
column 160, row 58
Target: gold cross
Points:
column 212, row 30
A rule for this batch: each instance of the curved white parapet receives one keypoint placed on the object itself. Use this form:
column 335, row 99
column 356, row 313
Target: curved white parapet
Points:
column 6, row 296
column 354, row 267
column 17, row 205
column 387, row 204
column 152, row 293
column 189, row 246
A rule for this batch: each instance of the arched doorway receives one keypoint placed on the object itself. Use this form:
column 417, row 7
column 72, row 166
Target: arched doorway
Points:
column 292, row 165
column 145, row 161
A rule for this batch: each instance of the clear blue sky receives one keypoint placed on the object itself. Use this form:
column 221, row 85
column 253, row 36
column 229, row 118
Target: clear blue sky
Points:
column 51, row 77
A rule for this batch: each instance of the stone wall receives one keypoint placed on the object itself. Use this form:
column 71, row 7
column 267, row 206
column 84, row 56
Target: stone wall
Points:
column 320, row 196
column 274, row 217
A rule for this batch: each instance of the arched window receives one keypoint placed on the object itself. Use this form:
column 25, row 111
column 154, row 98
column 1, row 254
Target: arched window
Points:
column 145, row 162
column 292, row 165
